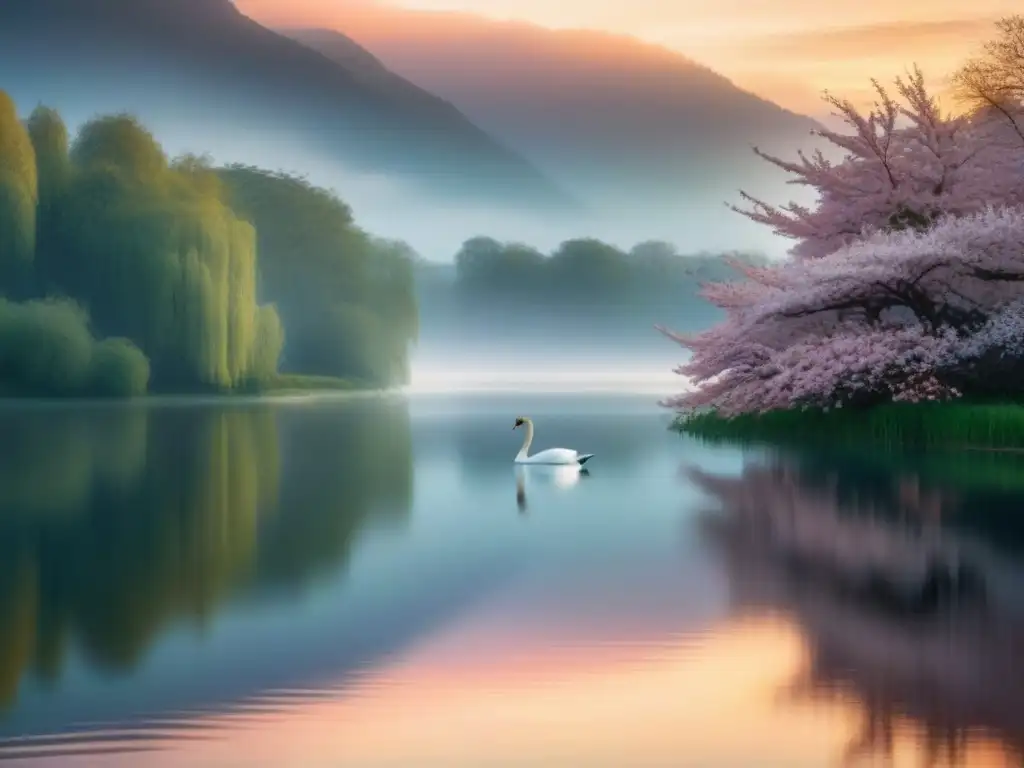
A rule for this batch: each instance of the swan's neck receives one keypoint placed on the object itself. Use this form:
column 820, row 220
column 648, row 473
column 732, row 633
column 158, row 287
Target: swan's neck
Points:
column 527, row 439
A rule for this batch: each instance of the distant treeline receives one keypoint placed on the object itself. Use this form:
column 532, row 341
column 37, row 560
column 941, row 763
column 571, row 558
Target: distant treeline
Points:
column 587, row 290
column 123, row 270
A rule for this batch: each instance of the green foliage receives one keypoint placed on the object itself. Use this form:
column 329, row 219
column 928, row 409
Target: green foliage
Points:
column 121, row 143
column 49, row 138
column 200, row 172
column 158, row 260
column 155, row 253
column 19, row 195
column 267, row 344
column 47, row 349
column 119, row 369
column 346, row 299
column 957, row 424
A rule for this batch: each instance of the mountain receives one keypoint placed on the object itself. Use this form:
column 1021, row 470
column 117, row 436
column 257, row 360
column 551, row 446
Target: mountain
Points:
column 615, row 120
column 215, row 80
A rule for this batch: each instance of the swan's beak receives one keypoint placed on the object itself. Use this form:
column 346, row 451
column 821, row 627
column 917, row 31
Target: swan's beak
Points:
column 515, row 427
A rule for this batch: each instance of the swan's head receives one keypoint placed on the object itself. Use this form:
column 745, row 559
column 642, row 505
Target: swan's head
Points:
column 519, row 422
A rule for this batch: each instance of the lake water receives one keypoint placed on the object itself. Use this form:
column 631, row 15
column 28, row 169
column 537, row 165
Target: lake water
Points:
column 370, row 582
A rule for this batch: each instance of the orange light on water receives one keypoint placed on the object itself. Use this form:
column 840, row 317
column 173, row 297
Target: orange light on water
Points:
column 460, row 699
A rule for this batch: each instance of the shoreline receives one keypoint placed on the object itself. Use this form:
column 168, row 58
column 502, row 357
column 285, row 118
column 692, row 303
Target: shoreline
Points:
column 951, row 426
column 286, row 385
column 190, row 398
column 293, row 395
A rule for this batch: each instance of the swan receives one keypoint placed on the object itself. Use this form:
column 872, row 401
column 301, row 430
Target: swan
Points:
column 551, row 455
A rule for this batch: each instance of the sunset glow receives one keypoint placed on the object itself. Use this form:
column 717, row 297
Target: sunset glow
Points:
column 787, row 51
column 511, row 383
column 479, row 690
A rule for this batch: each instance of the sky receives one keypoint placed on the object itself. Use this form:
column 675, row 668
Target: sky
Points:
column 785, row 50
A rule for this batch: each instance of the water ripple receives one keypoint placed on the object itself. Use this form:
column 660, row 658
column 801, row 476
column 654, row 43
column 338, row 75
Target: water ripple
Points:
column 163, row 732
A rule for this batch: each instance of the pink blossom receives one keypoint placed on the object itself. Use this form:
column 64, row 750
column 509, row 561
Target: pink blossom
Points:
column 907, row 275
column 882, row 318
column 826, row 371
column 905, row 166
column 1002, row 335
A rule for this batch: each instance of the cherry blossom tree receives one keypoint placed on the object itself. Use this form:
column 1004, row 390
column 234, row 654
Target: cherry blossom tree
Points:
column 991, row 361
column 898, row 315
column 906, row 165
column 907, row 277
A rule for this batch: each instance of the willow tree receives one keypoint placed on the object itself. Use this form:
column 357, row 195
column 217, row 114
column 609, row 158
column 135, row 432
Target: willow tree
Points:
column 157, row 255
column 268, row 341
column 19, row 195
column 49, row 136
column 347, row 301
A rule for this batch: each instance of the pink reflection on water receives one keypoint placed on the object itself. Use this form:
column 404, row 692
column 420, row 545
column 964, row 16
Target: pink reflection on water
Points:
column 558, row 674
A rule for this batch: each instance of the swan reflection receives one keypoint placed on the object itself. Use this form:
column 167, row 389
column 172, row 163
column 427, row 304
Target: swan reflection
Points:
column 561, row 477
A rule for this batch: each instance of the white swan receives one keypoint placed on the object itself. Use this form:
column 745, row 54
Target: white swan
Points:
column 551, row 455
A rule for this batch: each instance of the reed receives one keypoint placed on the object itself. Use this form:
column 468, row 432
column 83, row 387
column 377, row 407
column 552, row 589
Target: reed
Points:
column 988, row 426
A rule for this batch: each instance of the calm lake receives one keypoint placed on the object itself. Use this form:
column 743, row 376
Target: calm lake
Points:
column 371, row 582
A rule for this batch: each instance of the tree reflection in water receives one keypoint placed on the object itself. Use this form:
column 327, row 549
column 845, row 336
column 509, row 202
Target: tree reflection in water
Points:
column 116, row 522
column 952, row 673
column 348, row 467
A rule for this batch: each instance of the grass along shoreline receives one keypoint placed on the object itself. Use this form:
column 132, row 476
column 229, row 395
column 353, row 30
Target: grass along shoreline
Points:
column 287, row 383
column 960, row 425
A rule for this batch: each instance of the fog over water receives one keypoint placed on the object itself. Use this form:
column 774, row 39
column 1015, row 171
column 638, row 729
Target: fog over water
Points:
column 651, row 380
column 549, row 368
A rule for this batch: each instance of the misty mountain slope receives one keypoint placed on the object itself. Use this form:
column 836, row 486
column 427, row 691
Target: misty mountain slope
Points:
column 611, row 118
column 204, row 67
